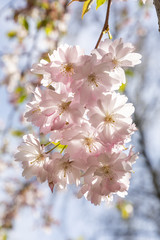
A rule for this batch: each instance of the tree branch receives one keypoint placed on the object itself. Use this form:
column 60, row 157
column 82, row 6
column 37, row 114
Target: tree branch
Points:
column 157, row 7
column 149, row 165
column 106, row 23
column 153, row 173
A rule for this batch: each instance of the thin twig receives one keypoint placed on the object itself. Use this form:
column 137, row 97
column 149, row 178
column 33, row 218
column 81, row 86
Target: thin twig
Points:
column 106, row 23
column 149, row 165
column 153, row 173
column 53, row 148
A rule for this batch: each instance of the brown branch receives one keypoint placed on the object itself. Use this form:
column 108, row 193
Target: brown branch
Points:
column 106, row 23
column 150, row 167
column 153, row 173
column 157, row 7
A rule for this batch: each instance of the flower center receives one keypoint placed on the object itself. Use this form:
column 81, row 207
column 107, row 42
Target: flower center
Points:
column 36, row 110
column 109, row 119
column 66, row 166
column 92, row 79
column 115, row 62
column 104, row 171
column 88, row 142
column 107, row 172
column 68, row 68
column 64, row 107
column 38, row 159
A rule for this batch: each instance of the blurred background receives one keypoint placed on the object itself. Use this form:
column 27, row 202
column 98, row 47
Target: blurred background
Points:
column 29, row 30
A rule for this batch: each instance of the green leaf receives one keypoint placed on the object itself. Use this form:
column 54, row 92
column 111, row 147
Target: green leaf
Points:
column 23, row 21
column 20, row 89
column 22, row 94
column 45, row 5
column 129, row 73
column 25, row 24
column 123, row 87
column 17, row 133
column 126, row 209
column 4, row 237
column 99, row 3
column 49, row 29
column 140, row 4
column 22, row 98
column 86, row 7
column 12, row 34
column 42, row 23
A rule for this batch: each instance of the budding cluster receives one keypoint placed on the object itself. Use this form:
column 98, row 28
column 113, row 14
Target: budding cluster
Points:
column 88, row 122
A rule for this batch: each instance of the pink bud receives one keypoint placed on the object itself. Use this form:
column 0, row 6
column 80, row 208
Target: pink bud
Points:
column 51, row 185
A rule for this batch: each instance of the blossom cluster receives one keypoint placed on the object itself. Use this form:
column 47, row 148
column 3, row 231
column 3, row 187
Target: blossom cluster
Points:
column 86, row 120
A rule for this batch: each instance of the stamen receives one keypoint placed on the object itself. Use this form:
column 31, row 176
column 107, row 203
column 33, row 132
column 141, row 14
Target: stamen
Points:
column 115, row 62
column 92, row 79
column 65, row 166
column 67, row 68
column 89, row 143
column 104, row 171
column 64, row 107
column 40, row 158
column 109, row 119
column 36, row 110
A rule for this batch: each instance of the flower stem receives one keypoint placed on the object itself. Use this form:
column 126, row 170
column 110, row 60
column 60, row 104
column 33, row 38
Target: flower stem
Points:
column 63, row 148
column 106, row 23
column 48, row 144
column 52, row 148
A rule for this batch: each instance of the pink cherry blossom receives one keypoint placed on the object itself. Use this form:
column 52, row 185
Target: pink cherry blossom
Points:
column 61, row 65
column 112, row 115
column 33, row 157
column 91, row 79
column 120, row 55
column 50, row 110
column 107, row 174
column 61, row 109
column 82, row 141
column 43, row 68
column 34, row 113
column 62, row 171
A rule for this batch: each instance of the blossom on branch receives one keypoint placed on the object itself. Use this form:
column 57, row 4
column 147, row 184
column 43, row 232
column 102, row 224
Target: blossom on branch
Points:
column 87, row 122
column 33, row 158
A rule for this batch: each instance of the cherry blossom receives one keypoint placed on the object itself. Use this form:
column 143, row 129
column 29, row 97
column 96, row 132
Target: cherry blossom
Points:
column 50, row 110
column 86, row 121
column 107, row 174
column 61, row 66
column 91, row 79
column 82, row 141
column 34, row 113
column 63, row 171
column 63, row 110
column 112, row 115
column 120, row 55
column 33, row 158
